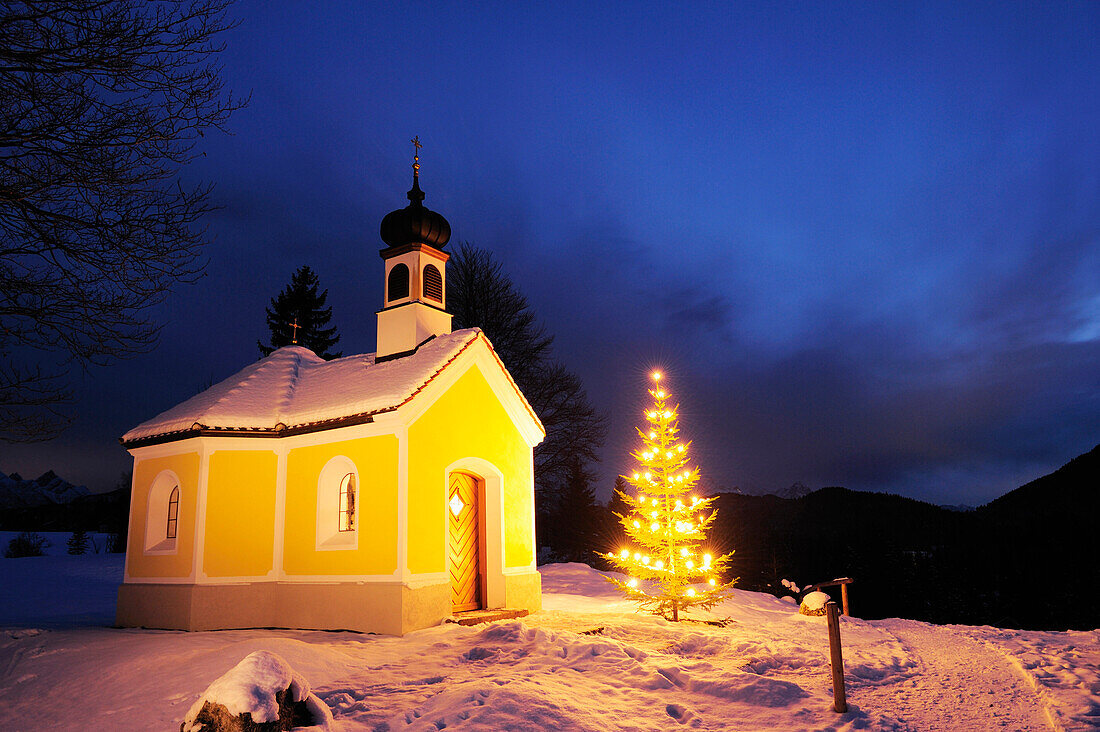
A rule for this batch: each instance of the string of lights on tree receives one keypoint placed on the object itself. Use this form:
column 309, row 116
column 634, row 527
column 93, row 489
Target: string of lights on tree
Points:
column 669, row 568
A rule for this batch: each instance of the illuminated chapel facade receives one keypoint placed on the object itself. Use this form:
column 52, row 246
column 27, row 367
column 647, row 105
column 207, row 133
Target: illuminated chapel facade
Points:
column 381, row 492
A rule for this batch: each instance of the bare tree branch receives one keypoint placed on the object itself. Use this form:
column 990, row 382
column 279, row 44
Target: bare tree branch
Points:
column 101, row 103
column 480, row 294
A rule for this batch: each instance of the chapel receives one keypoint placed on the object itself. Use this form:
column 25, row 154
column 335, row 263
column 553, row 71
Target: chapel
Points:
column 382, row 492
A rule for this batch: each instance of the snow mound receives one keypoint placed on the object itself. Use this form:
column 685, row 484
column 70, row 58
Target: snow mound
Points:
column 250, row 688
column 814, row 603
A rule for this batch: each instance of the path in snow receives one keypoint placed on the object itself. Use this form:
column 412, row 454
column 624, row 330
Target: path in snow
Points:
column 957, row 683
column 589, row 661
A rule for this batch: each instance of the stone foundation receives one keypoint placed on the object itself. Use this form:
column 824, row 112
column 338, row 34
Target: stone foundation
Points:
column 390, row 608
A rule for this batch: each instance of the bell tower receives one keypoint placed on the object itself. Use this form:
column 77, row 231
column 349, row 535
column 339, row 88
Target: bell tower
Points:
column 414, row 298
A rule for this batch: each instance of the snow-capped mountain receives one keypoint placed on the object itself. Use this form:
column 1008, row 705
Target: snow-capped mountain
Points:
column 46, row 489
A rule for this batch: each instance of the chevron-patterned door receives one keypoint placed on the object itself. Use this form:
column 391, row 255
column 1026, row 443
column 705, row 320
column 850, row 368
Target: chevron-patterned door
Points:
column 462, row 513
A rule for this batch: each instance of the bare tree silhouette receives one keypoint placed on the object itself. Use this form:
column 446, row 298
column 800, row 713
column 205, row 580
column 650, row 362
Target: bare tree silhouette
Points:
column 101, row 103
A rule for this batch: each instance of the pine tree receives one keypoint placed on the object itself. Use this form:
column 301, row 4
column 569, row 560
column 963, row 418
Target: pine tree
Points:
column 669, row 568
column 618, row 505
column 300, row 303
column 78, row 542
column 612, row 529
column 576, row 515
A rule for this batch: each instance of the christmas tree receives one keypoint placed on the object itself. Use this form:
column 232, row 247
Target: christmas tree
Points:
column 669, row 566
column 299, row 316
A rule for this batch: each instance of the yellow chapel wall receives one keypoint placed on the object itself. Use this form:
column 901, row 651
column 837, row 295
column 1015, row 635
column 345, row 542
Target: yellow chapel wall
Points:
column 468, row 420
column 375, row 460
column 240, row 513
column 139, row 563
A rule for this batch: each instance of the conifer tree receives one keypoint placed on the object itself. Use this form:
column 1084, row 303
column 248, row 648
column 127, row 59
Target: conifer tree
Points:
column 300, row 303
column 78, row 542
column 618, row 505
column 576, row 516
column 669, row 566
column 481, row 294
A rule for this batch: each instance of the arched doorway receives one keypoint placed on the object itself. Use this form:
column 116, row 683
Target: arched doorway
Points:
column 463, row 525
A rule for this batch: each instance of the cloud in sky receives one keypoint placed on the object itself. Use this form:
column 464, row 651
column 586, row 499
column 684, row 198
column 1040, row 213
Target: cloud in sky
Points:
column 864, row 241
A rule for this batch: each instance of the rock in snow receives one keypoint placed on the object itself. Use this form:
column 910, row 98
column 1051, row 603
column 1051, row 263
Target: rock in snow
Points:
column 262, row 692
column 814, row 603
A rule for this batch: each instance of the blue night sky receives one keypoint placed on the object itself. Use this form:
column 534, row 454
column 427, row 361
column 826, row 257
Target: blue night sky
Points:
column 862, row 239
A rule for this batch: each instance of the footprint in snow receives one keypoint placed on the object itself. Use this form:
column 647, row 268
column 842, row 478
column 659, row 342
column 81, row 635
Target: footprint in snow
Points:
column 681, row 714
column 478, row 653
column 424, row 682
column 674, row 675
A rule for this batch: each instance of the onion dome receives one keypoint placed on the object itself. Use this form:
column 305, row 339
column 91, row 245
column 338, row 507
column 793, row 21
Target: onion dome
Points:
column 415, row 224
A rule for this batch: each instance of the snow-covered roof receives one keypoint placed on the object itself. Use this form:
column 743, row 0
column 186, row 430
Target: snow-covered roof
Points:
column 293, row 388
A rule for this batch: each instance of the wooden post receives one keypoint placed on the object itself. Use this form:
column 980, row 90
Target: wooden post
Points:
column 840, row 702
column 844, row 598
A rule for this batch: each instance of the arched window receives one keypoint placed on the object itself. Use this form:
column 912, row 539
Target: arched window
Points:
column 347, row 503
column 433, row 283
column 397, row 284
column 162, row 514
column 173, row 513
column 338, row 505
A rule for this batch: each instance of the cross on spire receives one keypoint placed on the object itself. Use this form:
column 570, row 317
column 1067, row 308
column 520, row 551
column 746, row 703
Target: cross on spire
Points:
column 416, row 156
column 294, row 335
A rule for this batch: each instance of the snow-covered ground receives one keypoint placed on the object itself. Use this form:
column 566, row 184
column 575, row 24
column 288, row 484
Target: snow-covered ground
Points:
column 587, row 662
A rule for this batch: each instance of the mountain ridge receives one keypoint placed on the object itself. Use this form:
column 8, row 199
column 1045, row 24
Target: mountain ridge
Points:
column 1014, row 562
column 47, row 489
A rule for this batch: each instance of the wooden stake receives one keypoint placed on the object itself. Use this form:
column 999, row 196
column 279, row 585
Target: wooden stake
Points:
column 840, row 701
column 844, row 598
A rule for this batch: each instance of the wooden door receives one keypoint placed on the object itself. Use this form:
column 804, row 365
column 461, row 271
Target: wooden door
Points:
column 462, row 522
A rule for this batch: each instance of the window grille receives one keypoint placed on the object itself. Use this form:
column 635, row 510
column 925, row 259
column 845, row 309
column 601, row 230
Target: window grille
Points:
column 347, row 503
column 433, row 283
column 173, row 513
column 398, row 283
